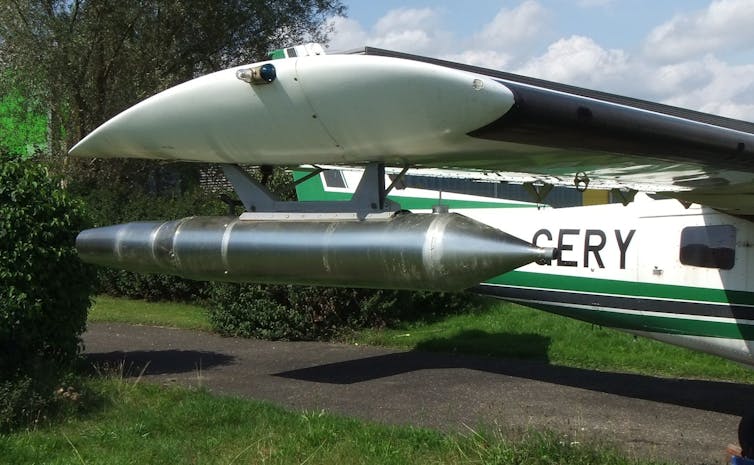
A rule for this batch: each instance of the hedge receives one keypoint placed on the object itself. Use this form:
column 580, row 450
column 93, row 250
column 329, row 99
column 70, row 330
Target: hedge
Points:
column 44, row 288
column 321, row 313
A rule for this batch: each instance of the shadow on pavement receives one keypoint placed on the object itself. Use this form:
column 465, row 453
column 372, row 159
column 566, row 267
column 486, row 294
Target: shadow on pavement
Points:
column 155, row 362
column 714, row 396
column 527, row 346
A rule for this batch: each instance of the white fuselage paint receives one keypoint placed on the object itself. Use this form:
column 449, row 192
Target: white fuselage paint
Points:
column 652, row 255
column 638, row 243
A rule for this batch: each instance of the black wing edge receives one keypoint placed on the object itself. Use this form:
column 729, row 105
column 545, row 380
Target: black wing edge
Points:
column 583, row 121
column 700, row 117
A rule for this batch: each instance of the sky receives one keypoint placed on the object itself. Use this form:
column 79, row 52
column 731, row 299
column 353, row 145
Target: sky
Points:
column 696, row 54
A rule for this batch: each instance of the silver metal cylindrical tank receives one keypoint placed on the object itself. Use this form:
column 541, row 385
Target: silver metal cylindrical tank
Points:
column 406, row 251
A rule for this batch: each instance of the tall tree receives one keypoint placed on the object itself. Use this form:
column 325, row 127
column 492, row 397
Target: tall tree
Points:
column 87, row 60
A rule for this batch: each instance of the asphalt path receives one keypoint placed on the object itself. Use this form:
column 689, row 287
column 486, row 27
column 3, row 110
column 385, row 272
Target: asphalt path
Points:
column 687, row 421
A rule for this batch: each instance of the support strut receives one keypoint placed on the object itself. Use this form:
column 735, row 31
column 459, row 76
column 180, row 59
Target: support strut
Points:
column 369, row 198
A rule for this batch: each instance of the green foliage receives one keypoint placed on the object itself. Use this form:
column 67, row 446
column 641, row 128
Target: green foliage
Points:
column 432, row 306
column 318, row 313
column 67, row 67
column 150, row 287
column 21, row 128
column 22, row 402
column 44, row 287
column 121, row 204
column 85, row 61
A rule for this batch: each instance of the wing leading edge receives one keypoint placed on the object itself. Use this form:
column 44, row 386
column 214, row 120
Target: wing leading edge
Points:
column 401, row 109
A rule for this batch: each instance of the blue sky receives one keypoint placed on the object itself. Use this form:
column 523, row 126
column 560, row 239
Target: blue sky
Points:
column 693, row 53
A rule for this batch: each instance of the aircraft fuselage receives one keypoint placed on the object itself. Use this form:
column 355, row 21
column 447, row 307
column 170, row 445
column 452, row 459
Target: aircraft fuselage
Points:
column 653, row 267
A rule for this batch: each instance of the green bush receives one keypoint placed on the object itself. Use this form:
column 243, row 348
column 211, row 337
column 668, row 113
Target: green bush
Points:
column 320, row 313
column 151, row 287
column 122, row 204
column 44, row 288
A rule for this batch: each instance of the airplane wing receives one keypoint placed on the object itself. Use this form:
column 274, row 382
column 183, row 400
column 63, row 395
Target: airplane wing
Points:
column 619, row 142
column 375, row 105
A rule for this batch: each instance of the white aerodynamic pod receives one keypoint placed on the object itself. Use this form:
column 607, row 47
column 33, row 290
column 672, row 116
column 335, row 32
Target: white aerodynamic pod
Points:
column 335, row 108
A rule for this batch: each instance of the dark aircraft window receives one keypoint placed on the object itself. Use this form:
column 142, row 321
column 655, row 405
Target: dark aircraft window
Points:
column 291, row 52
column 709, row 246
column 334, row 178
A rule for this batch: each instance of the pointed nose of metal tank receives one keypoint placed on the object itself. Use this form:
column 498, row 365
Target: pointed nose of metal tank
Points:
column 468, row 252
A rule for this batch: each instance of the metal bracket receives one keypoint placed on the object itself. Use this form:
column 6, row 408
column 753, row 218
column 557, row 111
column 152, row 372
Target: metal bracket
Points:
column 686, row 204
column 316, row 172
column 581, row 181
column 370, row 196
column 397, row 181
column 539, row 192
column 625, row 196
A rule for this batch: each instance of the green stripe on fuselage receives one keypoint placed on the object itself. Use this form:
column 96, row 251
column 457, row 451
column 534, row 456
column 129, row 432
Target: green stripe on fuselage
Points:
column 651, row 323
column 623, row 288
column 312, row 189
column 644, row 321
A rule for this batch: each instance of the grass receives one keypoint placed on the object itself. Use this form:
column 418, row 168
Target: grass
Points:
column 112, row 309
column 509, row 330
column 497, row 330
column 128, row 422
column 135, row 423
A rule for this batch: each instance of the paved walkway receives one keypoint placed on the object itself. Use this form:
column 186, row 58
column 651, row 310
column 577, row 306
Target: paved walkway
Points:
column 683, row 420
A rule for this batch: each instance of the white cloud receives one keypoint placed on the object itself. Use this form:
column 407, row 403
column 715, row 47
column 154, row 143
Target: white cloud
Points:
column 414, row 30
column 719, row 88
column 515, row 26
column 346, row 34
column 403, row 19
column 705, row 84
column 577, row 60
column 512, row 33
column 667, row 80
column 406, row 29
column 724, row 24
column 421, row 30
